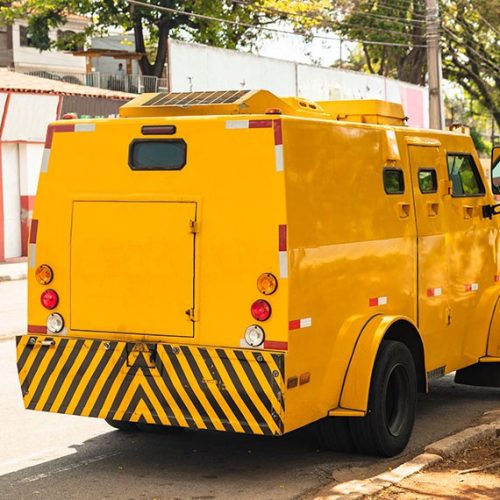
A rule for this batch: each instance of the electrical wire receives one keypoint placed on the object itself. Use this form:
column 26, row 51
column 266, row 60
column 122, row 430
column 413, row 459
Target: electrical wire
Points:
column 264, row 28
column 471, row 48
column 327, row 22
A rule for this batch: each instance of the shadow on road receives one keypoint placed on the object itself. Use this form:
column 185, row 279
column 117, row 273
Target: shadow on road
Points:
column 205, row 465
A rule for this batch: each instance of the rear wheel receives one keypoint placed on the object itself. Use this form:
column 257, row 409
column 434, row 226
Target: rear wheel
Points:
column 387, row 427
column 122, row 425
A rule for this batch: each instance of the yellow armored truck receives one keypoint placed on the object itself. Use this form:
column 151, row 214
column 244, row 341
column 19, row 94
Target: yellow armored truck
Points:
column 240, row 262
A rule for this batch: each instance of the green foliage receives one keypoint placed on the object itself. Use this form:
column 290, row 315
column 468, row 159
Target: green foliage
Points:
column 483, row 147
column 157, row 24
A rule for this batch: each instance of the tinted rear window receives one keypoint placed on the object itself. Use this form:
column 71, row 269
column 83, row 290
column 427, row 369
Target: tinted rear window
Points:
column 164, row 154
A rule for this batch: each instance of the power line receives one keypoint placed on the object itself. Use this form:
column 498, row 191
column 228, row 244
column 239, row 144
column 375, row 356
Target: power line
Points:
column 265, row 28
column 327, row 21
column 471, row 48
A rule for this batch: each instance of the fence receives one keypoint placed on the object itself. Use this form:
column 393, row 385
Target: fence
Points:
column 134, row 84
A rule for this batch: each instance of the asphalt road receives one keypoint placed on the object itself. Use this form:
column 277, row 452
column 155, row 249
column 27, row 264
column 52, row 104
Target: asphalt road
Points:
column 58, row 456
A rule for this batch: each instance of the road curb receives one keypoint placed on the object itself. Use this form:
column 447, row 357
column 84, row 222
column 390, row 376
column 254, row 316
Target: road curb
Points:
column 433, row 453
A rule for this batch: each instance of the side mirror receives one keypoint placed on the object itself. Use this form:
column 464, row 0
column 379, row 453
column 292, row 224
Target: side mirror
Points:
column 495, row 170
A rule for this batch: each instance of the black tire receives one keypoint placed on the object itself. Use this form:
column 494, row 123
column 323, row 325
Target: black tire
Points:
column 158, row 429
column 122, row 425
column 334, row 434
column 387, row 427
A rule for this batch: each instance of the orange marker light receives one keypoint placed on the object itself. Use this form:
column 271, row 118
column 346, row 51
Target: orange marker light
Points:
column 267, row 283
column 44, row 274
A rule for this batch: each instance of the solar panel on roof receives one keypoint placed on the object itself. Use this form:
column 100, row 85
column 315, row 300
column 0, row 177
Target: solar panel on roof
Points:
column 196, row 98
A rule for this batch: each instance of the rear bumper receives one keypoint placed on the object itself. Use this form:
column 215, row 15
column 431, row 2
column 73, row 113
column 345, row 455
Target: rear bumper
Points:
column 223, row 389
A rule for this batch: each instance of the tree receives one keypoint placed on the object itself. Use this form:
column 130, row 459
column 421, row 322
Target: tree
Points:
column 150, row 24
column 400, row 25
column 471, row 50
column 393, row 39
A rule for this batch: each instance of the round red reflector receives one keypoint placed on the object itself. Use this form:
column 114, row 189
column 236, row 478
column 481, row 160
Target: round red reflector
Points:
column 261, row 310
column 49, row 299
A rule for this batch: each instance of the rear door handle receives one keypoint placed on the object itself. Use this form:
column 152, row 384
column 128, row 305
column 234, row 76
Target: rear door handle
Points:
column 404, row 210
column 432, row 209
column 468, row 212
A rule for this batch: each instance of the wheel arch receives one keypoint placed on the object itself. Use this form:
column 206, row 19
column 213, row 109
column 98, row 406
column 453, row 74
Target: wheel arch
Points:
column 356, row 386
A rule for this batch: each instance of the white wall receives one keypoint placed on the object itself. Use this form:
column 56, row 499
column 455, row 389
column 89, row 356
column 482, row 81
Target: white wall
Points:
column 28, row 116
column 197, row 67
column 53, row 60
column 11, row 200
column 30, row 159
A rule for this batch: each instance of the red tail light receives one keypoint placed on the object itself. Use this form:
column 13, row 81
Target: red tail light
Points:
column 261, row 310
column 49, row 299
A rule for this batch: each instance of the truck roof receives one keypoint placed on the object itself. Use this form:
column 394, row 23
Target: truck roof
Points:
column 249, row 102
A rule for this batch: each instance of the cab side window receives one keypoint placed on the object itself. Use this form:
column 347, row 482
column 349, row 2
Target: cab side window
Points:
column 427, row 180
column 464, row 175
column 394, row 182
column 495, row 177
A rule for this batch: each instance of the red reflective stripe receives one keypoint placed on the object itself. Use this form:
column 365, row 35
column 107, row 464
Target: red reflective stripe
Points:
column 497, row 279
column 37, row 329
column 260, row 123
column 278, row 133
column 275, row 344
column 34, row 230
column 294, row 324
column 282, row 238
column 373, row 302
column 56, row 128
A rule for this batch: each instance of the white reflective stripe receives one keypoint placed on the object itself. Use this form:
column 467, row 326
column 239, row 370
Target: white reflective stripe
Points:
column 382, row 301
column 237, row 124
column 305, row 322
column 243, row 343
column 474, row 287
column 438, row 292
column 85, row 127
column 283, row 265
column 32, row 255
column 278, row 153
column 45, row 160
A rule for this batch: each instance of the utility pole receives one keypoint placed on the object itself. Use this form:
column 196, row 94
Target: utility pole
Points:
column 434, row 70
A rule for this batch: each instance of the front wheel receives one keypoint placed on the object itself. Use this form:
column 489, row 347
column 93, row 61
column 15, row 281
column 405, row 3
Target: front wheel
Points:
column 387, row 427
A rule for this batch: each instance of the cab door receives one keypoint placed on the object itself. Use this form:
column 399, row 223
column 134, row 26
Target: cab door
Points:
column 472, row 247
column 433, row 296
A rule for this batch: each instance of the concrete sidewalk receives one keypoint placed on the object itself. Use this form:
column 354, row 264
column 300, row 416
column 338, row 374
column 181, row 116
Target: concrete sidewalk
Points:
column 11, row 271
column 464, row 465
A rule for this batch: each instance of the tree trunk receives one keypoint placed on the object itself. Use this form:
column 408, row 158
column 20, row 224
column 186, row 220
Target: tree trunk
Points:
column 148, row 68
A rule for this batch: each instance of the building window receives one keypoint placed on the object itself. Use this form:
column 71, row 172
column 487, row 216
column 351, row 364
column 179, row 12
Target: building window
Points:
column 464, row 175
column 67, row 40
column 25, row 39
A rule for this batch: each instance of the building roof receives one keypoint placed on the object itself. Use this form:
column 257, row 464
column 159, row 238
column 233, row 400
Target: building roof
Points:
column 19, row 82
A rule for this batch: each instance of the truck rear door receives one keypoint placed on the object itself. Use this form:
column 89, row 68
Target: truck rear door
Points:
column 132, row 267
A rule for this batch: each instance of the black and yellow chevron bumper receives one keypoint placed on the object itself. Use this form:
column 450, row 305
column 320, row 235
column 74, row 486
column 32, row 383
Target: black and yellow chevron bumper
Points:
column 188, row 386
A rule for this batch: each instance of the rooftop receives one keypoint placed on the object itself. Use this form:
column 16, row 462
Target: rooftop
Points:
column 19, row 82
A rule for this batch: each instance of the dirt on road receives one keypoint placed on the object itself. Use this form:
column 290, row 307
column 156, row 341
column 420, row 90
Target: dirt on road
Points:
column 472, row 474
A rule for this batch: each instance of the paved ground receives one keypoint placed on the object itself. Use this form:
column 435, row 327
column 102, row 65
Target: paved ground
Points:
column 58, row 456
column 12, row 307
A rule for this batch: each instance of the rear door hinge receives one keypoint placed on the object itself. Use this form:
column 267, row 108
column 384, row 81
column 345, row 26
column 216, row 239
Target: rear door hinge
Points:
column 194, row 226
